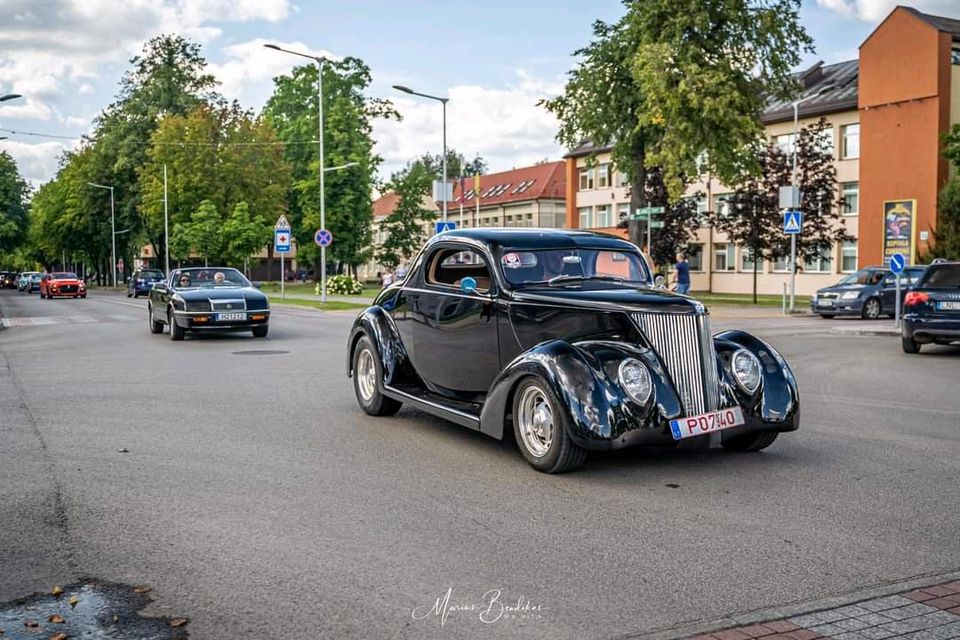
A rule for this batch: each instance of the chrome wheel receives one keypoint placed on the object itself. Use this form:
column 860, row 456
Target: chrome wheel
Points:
column 366, row 375
column 535, row 416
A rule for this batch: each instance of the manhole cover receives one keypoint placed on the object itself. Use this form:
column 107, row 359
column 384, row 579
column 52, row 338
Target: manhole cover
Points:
column 91, row 609
column 260, row 352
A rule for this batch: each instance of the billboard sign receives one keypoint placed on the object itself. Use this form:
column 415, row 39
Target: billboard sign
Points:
column 899, row 224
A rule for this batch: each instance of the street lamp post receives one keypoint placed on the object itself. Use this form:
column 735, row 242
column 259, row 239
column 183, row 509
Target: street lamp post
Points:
column 323, row 215
column 793, row 190
column 10, row 96
column 113, row 235
column 442, row 101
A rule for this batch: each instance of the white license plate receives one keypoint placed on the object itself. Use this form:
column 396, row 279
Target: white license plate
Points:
column 825, row 303
column 706, row 423
column 948, row 306
column 231, row 316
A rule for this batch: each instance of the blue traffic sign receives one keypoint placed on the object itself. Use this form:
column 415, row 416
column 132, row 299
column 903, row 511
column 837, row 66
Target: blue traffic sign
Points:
column 446, row 226
column 323, row 238
column 281, row 241
column 897, row 262
column 792, row 222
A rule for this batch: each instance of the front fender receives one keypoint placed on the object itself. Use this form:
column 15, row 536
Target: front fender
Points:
column 376, row 323
column 583, row 377
column 778, row 400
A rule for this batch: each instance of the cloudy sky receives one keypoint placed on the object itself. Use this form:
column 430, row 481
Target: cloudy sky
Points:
column 494, row 59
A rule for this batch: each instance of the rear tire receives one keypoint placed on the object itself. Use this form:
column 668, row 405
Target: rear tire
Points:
column 909, row 345
column 176, row 332
column 260, row 332
column 129, row 294
column 750, row 442
column 540, row 429
column 871, row 309
column 367, row 377
column 155, row 327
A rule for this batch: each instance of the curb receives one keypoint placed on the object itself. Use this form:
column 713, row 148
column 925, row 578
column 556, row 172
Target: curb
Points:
column 792, row 609
column 867, row 332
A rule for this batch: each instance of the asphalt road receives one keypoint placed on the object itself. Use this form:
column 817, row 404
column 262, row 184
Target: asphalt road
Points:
column 256, row 499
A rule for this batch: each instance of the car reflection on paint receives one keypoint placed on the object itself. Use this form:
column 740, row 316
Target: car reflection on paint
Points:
column 563, row 339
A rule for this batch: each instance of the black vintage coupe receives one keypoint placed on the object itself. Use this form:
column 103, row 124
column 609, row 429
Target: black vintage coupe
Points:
column 563, row 338
column 207, row 299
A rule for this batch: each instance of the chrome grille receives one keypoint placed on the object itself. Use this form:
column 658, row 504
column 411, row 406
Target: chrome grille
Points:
column 685, row 346
column 228, row 305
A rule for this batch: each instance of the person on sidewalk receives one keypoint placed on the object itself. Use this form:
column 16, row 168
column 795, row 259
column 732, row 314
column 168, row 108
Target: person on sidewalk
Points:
column 682, row 274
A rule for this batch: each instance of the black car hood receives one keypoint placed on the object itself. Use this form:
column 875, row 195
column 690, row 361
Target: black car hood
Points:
column 232, row 293
column 631, row 298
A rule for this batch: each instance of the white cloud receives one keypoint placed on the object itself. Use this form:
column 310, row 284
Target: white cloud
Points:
column 249, row 68
column 876, row 10
column 505, row 126
column 37, row 163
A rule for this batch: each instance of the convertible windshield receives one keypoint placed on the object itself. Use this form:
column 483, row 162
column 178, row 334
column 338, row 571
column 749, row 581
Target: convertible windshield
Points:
column 563, row 266
column 208, row 278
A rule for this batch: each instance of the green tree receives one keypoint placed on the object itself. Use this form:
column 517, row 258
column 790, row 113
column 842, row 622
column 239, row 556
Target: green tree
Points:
column 202, row 234
column 457, row 164
column 14, row 193
column 681, row 219
column 404, row 227
column 681, row 85
column 946, row 237
column 348, row 129
column 245, row 234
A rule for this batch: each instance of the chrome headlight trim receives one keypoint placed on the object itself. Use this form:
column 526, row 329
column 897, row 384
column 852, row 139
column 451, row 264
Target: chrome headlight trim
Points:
column 635, row 380
column 746, row 370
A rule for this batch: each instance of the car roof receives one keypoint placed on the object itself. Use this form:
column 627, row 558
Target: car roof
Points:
column 535, row 238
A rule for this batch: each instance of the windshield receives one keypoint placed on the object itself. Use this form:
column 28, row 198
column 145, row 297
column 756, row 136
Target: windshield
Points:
column 152, row 274
column 942, row 277
column 864, row 276
column 64, row 276
column 557, row 266
column 209, row 278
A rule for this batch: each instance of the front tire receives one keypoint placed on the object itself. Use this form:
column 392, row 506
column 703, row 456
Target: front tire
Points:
column 129, row 294
column 871, row 309
column 540, row 429
column 260, row 332
column 176, row 331
column 750, row 442
column 909, row 345
column 827, row 316
column 367, row 374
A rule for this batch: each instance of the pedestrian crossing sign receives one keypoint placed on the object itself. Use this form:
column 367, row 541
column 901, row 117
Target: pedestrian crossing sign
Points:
column 792, row 222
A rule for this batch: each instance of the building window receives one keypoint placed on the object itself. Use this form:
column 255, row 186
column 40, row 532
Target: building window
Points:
column 695, row 257
column 850, row 134
column 586, row 178
column 604, row 218
column 782, row 265
column 784, row 143
column 621, row 179
column 848, row 256
column 724, row 257
column 746, row 260
column 826, row 141
column 603, row 176
column 623, row 211
column 723, row 206
column 955, row 56
column 586, row 217
column 819, row 263
column 850, row 197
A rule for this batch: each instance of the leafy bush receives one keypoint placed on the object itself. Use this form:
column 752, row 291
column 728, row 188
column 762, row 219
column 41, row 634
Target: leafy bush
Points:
column 344, row 285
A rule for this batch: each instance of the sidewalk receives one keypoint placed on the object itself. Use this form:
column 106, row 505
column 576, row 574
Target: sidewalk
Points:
column 927, row 613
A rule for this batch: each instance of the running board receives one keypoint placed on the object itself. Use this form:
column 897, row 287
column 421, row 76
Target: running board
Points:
column 434, row 408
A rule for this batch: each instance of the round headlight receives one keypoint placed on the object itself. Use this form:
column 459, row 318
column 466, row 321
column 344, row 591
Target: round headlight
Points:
column 635, row 380
column 746, row 370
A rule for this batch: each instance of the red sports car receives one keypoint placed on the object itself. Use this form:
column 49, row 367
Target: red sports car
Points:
column 62, row 283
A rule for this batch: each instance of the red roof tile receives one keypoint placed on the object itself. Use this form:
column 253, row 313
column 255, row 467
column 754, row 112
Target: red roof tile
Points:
column 546, row 180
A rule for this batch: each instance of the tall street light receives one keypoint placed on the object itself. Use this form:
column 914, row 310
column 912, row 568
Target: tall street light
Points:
column 113, row 234
column 10, row 96
column 442, row 101
column 323, row 211
column 794, row 197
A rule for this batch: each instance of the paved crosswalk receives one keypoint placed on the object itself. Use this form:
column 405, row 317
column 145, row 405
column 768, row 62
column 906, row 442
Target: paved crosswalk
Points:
column 38, row 321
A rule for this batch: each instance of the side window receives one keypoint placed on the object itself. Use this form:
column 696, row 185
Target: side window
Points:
column 449, row 266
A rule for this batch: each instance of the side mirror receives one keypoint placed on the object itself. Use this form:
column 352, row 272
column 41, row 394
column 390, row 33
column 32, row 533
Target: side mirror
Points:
column 258, row 285
column 468, row 285
column 660, row 282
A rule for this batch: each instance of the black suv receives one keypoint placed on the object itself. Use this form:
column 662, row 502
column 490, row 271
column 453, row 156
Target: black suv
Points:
column 932, row 308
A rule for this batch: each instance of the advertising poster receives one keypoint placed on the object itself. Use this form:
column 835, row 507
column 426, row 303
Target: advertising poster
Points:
column 899, row 218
